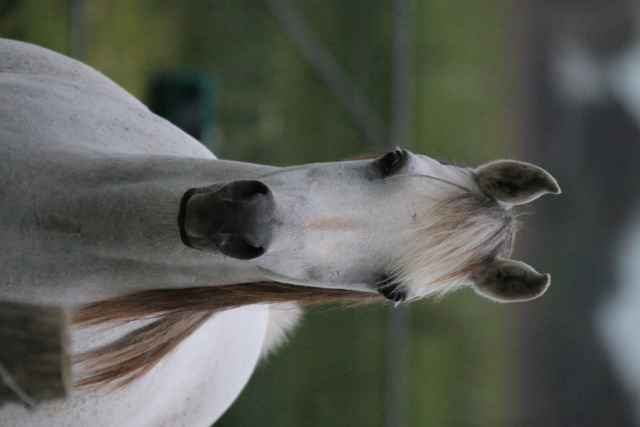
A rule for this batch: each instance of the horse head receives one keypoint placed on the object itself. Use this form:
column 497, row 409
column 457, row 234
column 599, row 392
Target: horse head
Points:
column 404, row 225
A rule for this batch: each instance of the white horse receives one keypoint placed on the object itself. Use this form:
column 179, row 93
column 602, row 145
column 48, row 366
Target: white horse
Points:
column 118, row 215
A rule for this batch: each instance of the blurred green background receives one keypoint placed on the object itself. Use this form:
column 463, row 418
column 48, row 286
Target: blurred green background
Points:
column 273, row 109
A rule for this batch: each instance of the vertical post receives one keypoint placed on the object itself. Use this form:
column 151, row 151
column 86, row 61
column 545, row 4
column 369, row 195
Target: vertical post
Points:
column 401, row 134
column 396, row 359
column 402, row 74
column 330, row 71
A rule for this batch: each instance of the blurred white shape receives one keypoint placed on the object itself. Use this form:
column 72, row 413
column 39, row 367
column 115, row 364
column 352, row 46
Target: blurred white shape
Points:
column 584, row 78
column 618, row 319
column 578, row 75
column 624, row 78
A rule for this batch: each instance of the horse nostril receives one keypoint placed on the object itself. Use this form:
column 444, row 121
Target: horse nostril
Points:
column 236, row 219
column 239, row 191
column 237, row 247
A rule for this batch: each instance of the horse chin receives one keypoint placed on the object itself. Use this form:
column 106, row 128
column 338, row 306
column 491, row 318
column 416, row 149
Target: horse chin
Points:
column 235, row 219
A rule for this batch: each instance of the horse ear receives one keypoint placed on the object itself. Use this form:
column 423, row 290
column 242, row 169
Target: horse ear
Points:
column 515, row 182
column 509, row 281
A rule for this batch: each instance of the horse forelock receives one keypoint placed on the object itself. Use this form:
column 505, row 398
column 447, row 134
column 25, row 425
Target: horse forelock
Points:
column 459, row 230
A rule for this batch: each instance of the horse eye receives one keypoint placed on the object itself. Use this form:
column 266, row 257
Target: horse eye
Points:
column 391, row 290
column 392, row 160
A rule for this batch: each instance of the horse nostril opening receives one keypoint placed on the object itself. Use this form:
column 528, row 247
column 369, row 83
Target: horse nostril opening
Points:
column 236, row 219
column 236, row 247
column 239, row 191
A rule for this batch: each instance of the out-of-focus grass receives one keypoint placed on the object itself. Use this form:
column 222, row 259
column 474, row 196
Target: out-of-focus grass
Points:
column 129, row 41
column 275, row 110
column 460, row 367
column 40, row 22
column 463, row 77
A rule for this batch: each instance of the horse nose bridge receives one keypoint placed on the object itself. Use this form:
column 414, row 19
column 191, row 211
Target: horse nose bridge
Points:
column 316, row 206
column 344, row 217
column 334, row 224
column 348, row 213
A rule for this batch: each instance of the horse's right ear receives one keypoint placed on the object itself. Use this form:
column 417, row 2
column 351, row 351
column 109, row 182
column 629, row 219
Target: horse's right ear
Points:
column 509, row 281
column 515, row 182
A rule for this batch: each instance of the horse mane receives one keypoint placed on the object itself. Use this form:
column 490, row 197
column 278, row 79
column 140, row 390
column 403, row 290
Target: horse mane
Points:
column 176, row 314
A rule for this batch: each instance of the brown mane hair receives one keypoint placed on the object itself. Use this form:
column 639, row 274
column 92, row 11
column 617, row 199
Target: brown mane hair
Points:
column 177, row 313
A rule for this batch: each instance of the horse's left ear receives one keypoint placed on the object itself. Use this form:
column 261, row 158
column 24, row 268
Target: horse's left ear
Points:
column 515, row 182
column 509, row 281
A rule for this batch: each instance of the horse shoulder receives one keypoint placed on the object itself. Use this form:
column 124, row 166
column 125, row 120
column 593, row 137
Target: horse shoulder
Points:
column 65, row 104
column 40, row 65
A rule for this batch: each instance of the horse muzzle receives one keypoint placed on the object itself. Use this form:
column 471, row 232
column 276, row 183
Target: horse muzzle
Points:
column 234, row 218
